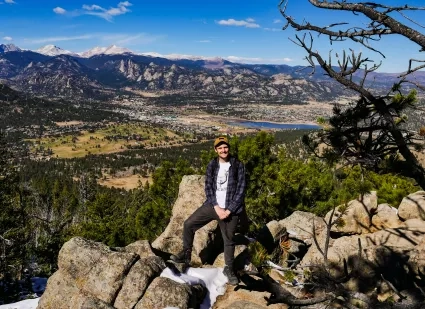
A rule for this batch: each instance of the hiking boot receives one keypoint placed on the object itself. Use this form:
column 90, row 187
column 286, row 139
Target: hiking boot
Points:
column 228, row 272
column 182, row 257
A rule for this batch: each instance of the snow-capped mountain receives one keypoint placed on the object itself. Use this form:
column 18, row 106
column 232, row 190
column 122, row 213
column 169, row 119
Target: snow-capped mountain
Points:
column 4, row 48
column 52, row 50
column 116, row 50
column 92, row 52
column 110, row 50
column 180, row 56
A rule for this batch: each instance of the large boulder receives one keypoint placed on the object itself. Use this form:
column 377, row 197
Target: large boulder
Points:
column 301, row 226
column 191, row 196
column 275, row 229
column 356, row 216
column 368, row 252
column 138, row 280
column 90, row 275
column 59, row 291
column 253, row 298
column 269, row 235
column 412, row 206
column 85, row 301
column 87, row 270
column 141, row 247
column 417, row 260
column 164, row 292
column 78, row 256
column 385, row 217
column 106, row 277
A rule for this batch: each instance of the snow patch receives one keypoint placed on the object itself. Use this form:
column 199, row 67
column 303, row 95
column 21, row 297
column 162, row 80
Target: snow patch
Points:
column 212, row 278
column 25, row 304
column 52, row 50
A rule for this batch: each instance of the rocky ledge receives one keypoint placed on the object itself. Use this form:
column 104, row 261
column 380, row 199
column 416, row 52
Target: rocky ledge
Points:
column 368, row 242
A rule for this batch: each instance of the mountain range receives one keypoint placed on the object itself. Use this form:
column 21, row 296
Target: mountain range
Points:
column 53, row 50
column 102, row 71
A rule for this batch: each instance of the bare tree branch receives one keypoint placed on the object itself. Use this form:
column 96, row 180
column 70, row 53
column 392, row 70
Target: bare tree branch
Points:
column 381, row 23
column 410, row 70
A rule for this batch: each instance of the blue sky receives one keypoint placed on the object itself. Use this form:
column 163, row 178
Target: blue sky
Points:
column 242, row 31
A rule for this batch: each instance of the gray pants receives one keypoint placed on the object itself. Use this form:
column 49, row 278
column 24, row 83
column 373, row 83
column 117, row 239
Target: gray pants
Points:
column 202, row 216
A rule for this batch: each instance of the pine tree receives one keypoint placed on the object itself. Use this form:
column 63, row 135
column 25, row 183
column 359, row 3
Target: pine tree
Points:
column 13, row 229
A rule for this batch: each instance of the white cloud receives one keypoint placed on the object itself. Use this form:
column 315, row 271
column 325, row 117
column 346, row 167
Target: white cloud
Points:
column 250, row 20
column 10, row 1
column 97, row 10
column 204, row 41
column 277, row 21
column 59, row 10
column 107, row 14
column 59, row 39
column 238, row 23
column 92, row 7
column 257, row 60
column 7, row 38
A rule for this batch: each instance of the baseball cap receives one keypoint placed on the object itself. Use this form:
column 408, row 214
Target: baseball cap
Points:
column 221, row 140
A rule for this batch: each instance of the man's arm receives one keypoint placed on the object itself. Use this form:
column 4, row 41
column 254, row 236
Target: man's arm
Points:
column 239, row 196
column 209, row 185
column 221, row 212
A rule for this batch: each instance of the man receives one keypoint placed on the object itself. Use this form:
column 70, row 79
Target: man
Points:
column 225, row 192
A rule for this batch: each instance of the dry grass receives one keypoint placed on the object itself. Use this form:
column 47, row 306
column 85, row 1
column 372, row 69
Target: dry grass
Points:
column 125, row 182
column 68, row 123
column 100, row 142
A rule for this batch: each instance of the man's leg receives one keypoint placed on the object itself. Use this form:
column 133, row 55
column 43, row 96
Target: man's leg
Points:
column 243, row 222
column 202, row 216
column 228, row 229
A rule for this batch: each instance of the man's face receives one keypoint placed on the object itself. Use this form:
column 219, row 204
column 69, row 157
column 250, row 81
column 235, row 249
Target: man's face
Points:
column 222, row 151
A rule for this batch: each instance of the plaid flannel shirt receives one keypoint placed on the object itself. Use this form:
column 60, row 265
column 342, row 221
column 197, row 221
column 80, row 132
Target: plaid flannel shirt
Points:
column 236, row 188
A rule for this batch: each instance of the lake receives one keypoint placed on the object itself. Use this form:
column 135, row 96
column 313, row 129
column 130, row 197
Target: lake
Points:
column 271, row 125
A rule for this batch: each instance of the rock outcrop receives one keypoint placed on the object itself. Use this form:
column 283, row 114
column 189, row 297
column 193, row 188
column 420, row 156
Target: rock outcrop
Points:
column 191, row 196
column 164, row 292
column 385, row 217
column 356, row 216
column 137, row 281
column 91, row 275
column 413, row 206
column 299, row 226
column 372, row 240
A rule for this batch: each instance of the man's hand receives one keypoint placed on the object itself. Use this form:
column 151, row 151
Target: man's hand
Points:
column 222, row 214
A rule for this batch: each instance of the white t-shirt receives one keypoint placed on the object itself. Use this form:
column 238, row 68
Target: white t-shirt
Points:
column 222, row 181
